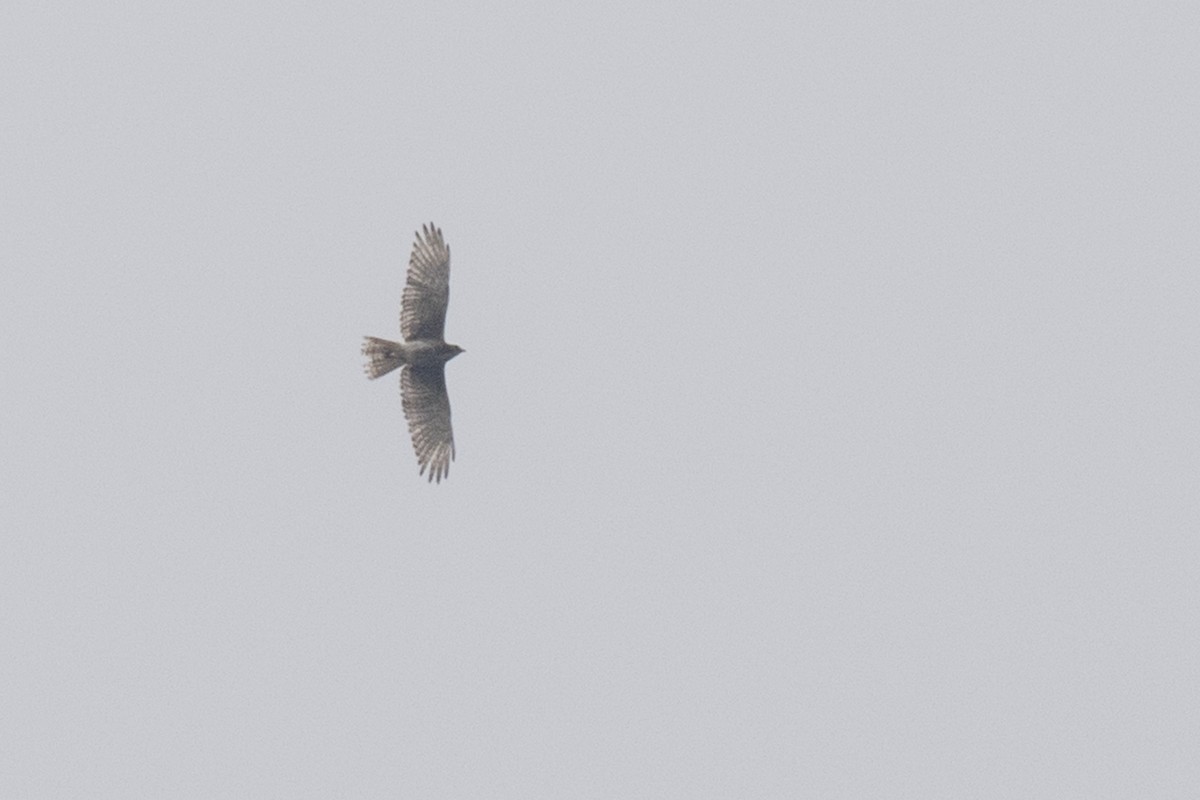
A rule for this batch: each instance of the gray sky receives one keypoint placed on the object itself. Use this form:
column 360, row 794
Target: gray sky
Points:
column 827, row 426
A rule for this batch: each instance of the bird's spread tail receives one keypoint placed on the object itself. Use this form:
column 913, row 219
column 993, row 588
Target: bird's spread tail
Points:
column 382, row 356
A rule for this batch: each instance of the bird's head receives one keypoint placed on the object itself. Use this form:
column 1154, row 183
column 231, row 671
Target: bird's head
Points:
column 452, row 351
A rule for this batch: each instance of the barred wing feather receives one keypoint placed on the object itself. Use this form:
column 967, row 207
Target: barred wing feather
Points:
column 427, row 293
column 427, row 409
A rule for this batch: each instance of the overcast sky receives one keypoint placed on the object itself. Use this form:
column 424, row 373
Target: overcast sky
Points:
column 827, row 425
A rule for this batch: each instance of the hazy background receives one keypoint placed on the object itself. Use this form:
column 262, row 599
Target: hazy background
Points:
column 827, row 426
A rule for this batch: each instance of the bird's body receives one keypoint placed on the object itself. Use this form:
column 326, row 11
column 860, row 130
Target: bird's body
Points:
column 423, row 353
column 385, row 355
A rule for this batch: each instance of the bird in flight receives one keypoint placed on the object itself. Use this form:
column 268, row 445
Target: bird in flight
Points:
column 423, row 353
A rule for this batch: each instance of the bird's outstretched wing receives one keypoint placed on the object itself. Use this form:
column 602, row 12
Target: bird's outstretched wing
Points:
column 427, row 409
column 427, row 293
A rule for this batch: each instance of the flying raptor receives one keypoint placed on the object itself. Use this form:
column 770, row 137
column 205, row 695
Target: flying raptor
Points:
column 423, row 353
